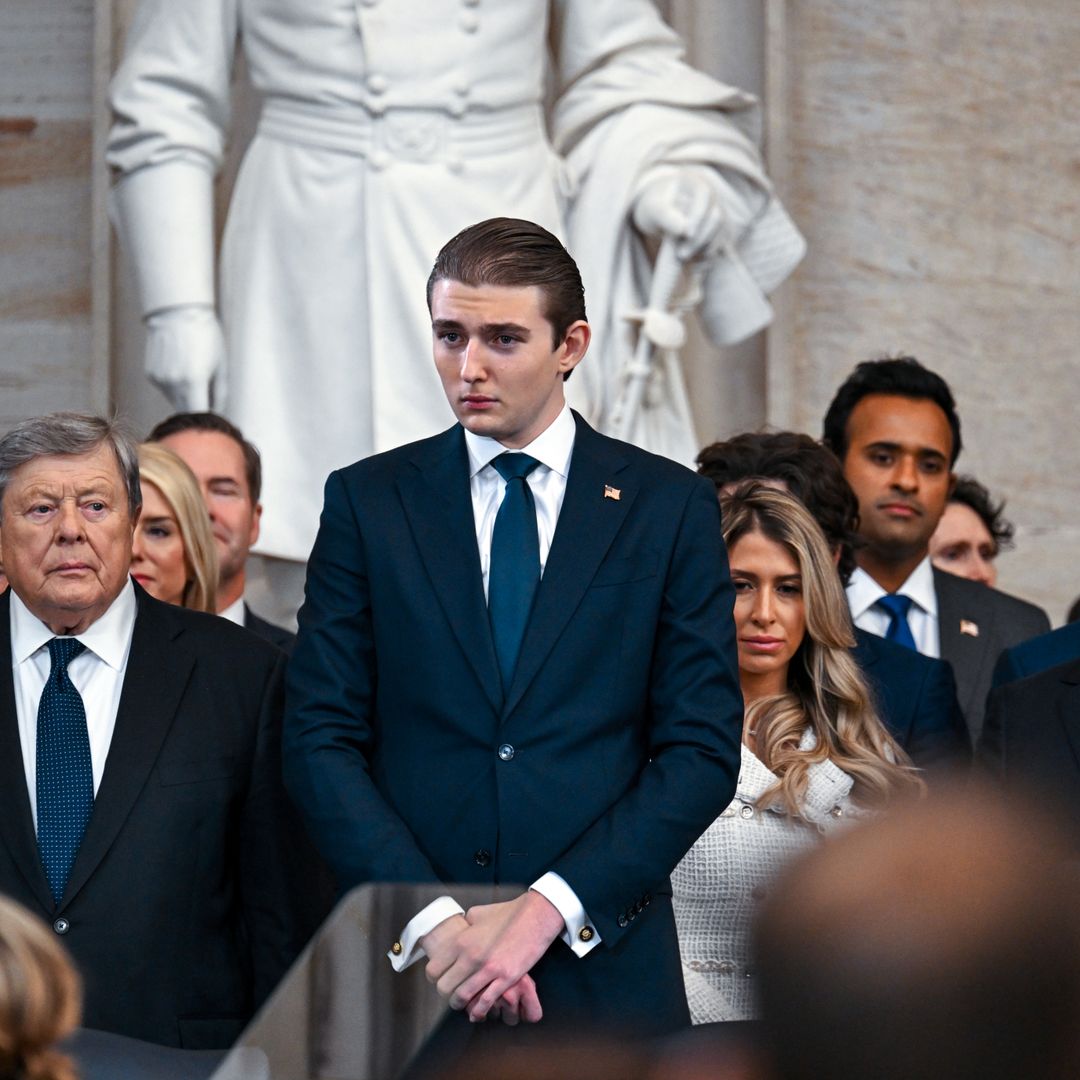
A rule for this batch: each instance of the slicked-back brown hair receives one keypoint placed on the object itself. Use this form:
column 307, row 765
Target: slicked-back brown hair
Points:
column 515, row 253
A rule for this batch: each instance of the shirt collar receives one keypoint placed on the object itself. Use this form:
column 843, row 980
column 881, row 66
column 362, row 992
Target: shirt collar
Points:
column 108, row 637
column 863, row 591
column 552, row 447
column 234, row 612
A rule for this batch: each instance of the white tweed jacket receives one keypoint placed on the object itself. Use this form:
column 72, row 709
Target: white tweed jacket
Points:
column 727, row 872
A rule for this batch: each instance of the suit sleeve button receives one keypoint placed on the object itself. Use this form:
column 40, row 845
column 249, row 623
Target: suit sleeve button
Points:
column 585, row 933
column 61, row 926
column 622, row 920
column 482, row 857
column 506, row 752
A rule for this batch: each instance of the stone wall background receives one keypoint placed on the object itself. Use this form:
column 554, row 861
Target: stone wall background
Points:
column 929, row 151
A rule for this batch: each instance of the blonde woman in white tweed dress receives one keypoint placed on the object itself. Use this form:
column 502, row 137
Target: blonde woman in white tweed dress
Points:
column 814, row 752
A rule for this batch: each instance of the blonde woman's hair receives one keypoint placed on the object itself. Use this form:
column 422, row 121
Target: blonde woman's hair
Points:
column 180, row 489
column 40, row 998
column 826, row 689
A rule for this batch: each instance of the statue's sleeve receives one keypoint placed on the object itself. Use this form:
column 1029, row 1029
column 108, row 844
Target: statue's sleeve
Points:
column 170, row 99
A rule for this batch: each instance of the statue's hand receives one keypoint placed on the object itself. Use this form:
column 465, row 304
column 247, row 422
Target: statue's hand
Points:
column 185, row 356
column 682, row 202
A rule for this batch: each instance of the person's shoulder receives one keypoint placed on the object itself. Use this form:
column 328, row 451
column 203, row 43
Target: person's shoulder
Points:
column 976, row 593
column 653, row 469
column 390, row 463
column 1055, row 646
column 870, row 648
column 211, row 635
column 268, row 631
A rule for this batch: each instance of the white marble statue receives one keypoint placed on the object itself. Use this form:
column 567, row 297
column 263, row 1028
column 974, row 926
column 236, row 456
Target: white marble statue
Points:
column 386, row 127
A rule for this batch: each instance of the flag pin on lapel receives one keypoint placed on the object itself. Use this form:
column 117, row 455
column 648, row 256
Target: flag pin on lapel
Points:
column 968, row 627
column 612, row 492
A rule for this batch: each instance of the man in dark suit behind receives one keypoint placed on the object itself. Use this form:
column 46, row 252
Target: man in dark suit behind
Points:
column 424, row 744
column 893, row 424
column 141, row 809
column 229, row 472
column 1031, row 741
column 916, row 695
column 1038, row 653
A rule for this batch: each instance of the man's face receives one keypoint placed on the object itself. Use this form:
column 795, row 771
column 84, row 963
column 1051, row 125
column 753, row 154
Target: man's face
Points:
column 65, row 538
column 897, row 462
column 493, row 353
column 218, row 464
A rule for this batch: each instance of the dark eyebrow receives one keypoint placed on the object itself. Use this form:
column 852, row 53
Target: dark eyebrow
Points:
column 898, row 448
column 486, row 329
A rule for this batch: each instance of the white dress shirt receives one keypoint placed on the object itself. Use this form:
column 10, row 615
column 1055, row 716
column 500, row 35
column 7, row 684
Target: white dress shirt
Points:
column 863, row 592
column 234, row 612
column 97, row 673
column 553, row 448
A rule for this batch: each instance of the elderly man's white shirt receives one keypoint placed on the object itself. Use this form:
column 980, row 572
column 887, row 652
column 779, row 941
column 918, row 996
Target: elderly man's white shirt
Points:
column 97, row 673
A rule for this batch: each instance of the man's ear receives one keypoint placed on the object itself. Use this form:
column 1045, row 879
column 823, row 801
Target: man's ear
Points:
column 256, row 517
column 574, row 346
column 952, row 484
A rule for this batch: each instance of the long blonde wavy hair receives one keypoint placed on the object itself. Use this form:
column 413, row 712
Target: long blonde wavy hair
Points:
column 40, row 997
column 180, row 489
column 826, row 689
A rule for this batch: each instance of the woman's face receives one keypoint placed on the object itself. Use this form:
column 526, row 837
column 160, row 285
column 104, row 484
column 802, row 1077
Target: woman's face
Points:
column 962, row 545
column 157, row 556
column 770, row 621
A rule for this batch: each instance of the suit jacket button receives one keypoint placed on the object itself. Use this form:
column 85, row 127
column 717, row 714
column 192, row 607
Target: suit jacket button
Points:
column 61, row 926
column 622, row 920
column 506, row 752
column 482, row 857
column 585, row 933
column 396, row 948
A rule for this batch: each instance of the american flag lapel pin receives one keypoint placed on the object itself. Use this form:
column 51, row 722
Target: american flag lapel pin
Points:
column 612, row 492
column 968, row 627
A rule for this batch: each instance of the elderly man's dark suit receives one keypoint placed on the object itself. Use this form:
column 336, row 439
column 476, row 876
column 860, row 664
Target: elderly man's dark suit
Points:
column 177, row 909
column 975, row 624
column 1031, row 742
column 613, row 748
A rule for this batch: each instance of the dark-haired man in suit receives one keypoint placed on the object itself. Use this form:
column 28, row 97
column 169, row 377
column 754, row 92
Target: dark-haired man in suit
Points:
column 141, row 808
column 229, row 472
column 516, row 665
column 893, row 424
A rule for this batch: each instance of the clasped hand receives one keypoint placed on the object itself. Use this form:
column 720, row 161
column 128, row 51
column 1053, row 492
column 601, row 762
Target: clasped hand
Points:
column 480, row 961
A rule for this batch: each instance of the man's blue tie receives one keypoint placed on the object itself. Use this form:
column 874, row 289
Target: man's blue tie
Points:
column 897, row 607
column 514, row 571
column 65, row 778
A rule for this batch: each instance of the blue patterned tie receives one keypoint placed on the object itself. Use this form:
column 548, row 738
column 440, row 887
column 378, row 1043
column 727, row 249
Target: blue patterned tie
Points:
column 514, row 572
column 65, row 778
column 897, row 607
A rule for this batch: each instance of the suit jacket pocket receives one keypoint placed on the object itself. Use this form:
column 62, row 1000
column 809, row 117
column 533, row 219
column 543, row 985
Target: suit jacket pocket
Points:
column 631, row 568
column 193, row 772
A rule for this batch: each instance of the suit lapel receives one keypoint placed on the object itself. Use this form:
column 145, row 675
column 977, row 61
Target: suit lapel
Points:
column 588, row 523
column 1068, row 707
column 16, row 819
column 158, row 670
column 438, row 505
column 965, row 651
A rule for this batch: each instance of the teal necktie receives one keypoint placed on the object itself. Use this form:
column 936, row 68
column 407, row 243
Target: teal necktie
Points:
column 514, row 570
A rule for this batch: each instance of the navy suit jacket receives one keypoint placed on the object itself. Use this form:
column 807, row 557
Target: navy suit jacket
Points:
column 613, row 748
column 178, row 911
column 1038, row 653
column 916, row 698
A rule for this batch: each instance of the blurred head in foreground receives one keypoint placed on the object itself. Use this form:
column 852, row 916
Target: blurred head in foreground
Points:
column 40, row 998
column 942, row 941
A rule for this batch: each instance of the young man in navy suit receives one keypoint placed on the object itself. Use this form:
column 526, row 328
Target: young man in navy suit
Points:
column 577, row 751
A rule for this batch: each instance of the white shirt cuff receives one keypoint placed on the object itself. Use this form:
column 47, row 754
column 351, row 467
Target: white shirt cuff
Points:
column 407, row 949
column 579, row 934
